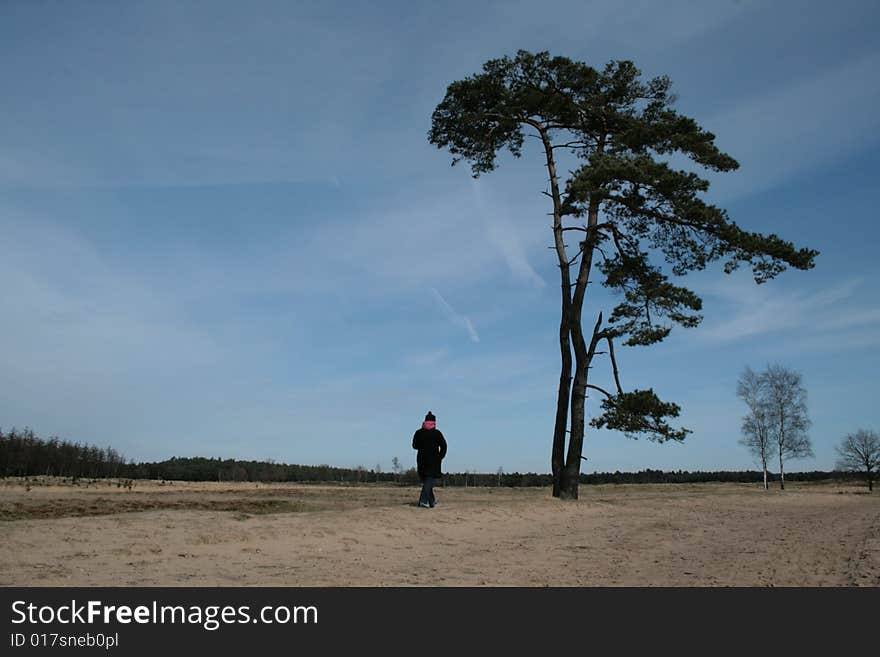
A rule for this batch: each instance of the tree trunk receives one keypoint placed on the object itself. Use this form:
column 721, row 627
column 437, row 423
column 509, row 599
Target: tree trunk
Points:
column 572, row 472
column 764, row 466
column 781, row 471
column 558, row 455
column 781, row 439
column 870, row 481
column 566, row 477
column 562, row 400
column 583, row 358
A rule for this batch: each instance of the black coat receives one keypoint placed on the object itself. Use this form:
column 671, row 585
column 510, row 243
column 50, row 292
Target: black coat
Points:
column 432, row 448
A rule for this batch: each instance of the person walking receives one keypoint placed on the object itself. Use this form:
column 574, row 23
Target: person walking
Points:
column 431, row 446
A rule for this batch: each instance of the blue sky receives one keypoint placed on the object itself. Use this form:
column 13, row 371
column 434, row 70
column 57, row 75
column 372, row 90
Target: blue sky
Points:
column 223, row 231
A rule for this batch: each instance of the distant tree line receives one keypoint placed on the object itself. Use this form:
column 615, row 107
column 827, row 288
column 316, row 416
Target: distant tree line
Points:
column 206, row 469
column 516, row 479
column 687, row 477
column 24, row 454
column 214, row 469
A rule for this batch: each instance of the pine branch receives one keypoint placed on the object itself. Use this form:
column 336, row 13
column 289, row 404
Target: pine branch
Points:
column 602, row 390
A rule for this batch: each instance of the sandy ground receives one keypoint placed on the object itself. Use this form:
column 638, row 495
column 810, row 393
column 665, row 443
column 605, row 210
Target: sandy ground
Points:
column 249, row 534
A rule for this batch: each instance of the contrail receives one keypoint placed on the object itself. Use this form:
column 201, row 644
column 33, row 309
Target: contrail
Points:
column 456, row 318
column 503, row 237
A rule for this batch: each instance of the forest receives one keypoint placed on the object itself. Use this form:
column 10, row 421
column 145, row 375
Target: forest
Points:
column 23, row 454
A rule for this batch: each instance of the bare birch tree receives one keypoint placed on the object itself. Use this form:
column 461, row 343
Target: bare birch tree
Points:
column 755, row 425
column 786, row 400
column 860, row 452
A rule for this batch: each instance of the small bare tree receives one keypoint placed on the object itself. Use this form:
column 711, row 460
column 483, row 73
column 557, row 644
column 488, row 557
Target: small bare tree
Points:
column 755, row 425
column 860, row 452
column 787, row 406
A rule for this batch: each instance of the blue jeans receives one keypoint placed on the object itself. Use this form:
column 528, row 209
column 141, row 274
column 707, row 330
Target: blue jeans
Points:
column 427, row 494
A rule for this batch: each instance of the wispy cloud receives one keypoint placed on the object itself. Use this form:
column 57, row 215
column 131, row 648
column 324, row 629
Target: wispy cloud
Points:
column 455, row 317
column 799, row 315
column 799, row 127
